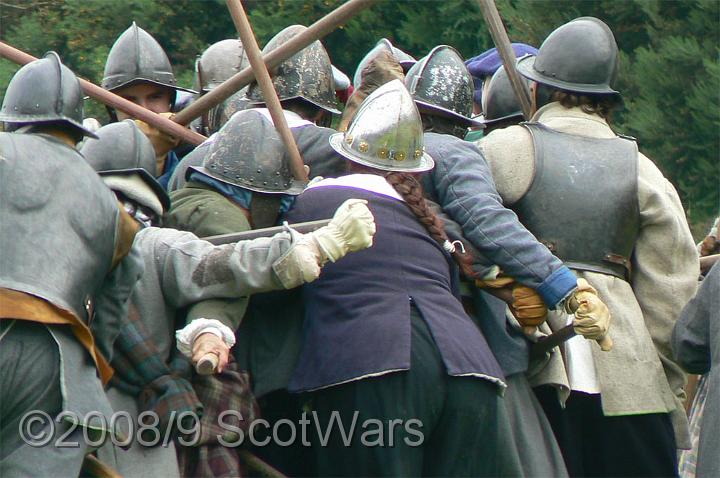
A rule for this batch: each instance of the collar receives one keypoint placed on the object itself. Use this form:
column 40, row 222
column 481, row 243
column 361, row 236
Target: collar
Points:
column 573, row 120
column 367, row 182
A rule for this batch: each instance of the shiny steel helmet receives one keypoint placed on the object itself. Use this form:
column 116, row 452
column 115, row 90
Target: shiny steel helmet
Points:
column 218, row 63
column 500, row 102
column 386, row 132
column 580, row 56
column 442, row 85
column 406, row 61
column 137, row 57
column 44, row 91
column 121, row 149
column 248, row 152
column 307, row 74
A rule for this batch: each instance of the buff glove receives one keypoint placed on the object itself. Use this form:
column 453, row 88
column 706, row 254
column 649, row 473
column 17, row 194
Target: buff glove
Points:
column 526, row 304
column 161, row 141
column 592, row 317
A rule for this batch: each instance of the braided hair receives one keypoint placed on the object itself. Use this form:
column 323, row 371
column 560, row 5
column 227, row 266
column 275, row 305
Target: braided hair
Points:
column 412, row 192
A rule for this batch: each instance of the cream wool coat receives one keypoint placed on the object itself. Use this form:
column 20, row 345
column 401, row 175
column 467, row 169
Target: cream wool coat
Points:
column 639, row 375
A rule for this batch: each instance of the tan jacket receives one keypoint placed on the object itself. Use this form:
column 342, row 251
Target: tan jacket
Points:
column 638, row 376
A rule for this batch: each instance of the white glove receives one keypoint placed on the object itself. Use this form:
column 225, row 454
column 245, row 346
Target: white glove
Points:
column 592, row 317
column 351, row 229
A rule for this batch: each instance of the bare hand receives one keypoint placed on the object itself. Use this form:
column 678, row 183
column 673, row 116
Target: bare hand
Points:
column 209, row 343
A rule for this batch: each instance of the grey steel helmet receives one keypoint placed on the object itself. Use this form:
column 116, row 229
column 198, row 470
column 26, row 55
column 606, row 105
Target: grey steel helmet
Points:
column 44, row 91
column 136, row 57
column 499, row 101
column 386, row 133
column 219, row 62
column 441, row 84
column 248, row 152
column 406, row 61
column 580, row 56
column 307, row 74
column 121, row 149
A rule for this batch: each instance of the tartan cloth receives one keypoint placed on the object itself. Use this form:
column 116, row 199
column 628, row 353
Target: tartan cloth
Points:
column 688, row 458
column 229, row 390
column 140, row 371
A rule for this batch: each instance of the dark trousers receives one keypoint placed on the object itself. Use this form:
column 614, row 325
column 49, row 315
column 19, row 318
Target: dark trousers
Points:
column 457, row 431
column 615, row 446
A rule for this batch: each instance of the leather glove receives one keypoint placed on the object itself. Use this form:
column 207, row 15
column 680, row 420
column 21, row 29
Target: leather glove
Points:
column 351, row 229
column 525, row 303
column 301, row 263
column 161, row 141
column 592, row 317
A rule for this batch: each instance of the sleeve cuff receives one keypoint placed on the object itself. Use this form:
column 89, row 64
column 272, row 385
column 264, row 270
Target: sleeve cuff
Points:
column 557, row 286
column 187, row 335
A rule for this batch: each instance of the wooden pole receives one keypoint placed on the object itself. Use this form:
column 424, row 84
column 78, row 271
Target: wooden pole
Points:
column 502, row 42
column 115, row 101
column 266, row 86
column 317, row 30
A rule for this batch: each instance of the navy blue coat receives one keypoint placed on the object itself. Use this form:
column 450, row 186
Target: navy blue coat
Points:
column 357, row 314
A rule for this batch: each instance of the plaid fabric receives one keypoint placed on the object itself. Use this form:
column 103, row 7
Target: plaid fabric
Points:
column 688, row 458
column 229, row 390
column 141, row 371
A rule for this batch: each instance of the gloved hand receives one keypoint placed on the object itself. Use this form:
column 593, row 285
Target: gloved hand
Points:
column 161, row 141
column 351, row 229
column 525, row 303
column 592, row 317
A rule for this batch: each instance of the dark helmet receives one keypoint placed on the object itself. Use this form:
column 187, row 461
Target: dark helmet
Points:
column 137, row 57
column 307, row 74
column 121, row 149
column 406, row 61
column 500, row 102
column 219, row 62
column 441, row 84
column 580, row 56
column 44, row 91
column 249, row 153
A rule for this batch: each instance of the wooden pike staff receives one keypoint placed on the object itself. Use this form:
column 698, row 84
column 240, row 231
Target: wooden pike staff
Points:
column 317, row 30
column 502, row 42
column 266, row 86
column 115, row 101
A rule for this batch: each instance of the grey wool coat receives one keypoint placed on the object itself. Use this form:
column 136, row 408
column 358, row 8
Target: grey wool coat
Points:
column 639, row 375
column 696, row 345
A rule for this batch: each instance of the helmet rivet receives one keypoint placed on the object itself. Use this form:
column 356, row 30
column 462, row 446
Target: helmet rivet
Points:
column 259, row 170
column 264, row 183
column 252, row 180
column 382, row 153
column 15, row 108
column 37, row 105
column 400, row 156
column 363, row 147
column 277, row 173
column 418, row 153
column 349, row 139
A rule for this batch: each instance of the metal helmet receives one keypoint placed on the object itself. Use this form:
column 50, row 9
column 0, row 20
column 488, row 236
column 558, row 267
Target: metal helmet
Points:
column 137, row 57
column 307, row 74
column 500, row 102
column 386, row 133
column 406, row 61
column 44, row 91
column 122, row 149
column 219, row 62
column 580, row 56
column 441, row 84
column 248, row 152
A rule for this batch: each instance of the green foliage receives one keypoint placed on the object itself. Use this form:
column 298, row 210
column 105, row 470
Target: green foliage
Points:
column 669, row 75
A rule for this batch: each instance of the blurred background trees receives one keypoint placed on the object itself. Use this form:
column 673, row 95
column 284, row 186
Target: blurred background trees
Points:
column 670, row 70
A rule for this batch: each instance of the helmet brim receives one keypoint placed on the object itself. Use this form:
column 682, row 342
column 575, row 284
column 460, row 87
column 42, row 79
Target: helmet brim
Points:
column 44, row 119
column 338, row 144
column 153, row 183
column 136, row 81
column 428, row 108
column 525, row 67
column 295, row 188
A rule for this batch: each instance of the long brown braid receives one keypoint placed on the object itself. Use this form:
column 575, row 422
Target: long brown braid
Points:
column 412, row 192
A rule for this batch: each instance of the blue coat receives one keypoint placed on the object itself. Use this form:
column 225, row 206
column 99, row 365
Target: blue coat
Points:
column 357, row 314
